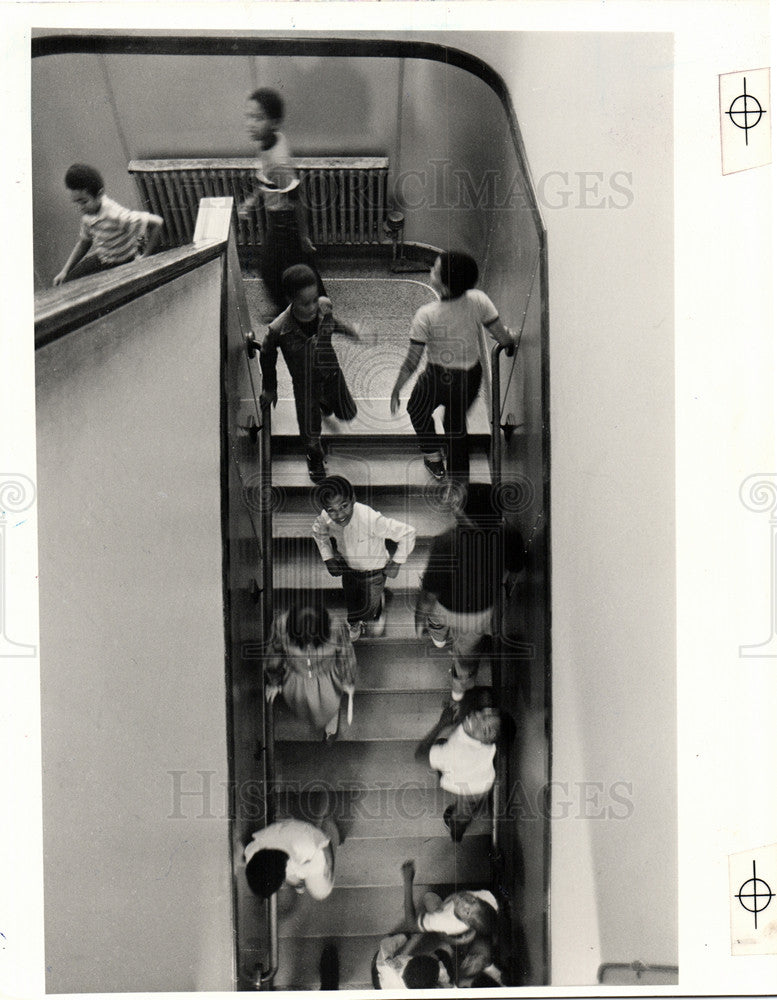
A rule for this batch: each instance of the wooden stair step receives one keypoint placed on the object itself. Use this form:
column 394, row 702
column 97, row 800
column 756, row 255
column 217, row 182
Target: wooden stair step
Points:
column 347, row 912
column 380, row 812
column 364, row 466
column 299, row 958
column 347, row 764
column 373, row 416
column 377, row 715
column 376, row 862
column 297, row 564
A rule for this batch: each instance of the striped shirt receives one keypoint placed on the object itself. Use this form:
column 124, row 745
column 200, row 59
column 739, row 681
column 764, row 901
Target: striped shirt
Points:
column 116, row 232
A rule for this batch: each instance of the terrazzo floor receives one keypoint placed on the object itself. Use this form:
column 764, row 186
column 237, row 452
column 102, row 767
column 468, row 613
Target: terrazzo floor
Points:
column 381, row 308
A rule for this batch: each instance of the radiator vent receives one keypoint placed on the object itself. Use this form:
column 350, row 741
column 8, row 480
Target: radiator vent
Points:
column 345, row 196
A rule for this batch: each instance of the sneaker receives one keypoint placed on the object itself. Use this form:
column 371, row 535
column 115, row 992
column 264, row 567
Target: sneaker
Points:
column 439, row 643
column 354, row 630
column 316, row 469
column 435, row 467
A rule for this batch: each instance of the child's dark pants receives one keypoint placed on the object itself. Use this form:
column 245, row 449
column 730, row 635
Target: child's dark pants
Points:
column 328, row 395
column 463, row 810
column 363, row 594
column 456, row 390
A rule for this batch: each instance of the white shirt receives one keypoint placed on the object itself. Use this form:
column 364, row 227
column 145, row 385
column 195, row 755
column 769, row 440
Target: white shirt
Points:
column 304, row 844
column 450, row 328
column 392, row 960
column 362, row 542
column 467, row 765
column 277, row 176
column 445, row 921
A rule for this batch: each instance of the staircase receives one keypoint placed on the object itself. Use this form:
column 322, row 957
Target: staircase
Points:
column 387, row 807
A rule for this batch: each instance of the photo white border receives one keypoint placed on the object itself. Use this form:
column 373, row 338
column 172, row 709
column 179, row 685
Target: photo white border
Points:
column 723, row 240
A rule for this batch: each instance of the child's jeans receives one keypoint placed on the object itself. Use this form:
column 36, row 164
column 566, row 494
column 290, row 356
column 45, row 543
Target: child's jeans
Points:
column 281, row 249
column 91, row 264
column 456, row 390
column 329, row 395
column 363, row 594
column 468, row 634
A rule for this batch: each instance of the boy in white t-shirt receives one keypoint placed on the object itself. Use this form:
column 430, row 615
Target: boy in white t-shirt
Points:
column 450, row 331
column 295, row 852
column 464, row 755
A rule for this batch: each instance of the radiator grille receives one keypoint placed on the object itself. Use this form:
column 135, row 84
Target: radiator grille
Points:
column 345, row 196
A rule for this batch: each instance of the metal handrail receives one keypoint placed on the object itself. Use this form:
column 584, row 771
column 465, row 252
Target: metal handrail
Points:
column 268, row 757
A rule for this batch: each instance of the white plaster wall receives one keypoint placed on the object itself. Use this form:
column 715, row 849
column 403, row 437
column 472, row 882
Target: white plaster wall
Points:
column 602, row 103
column 137, row 884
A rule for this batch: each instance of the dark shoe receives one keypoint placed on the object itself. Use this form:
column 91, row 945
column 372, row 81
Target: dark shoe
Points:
column 316, row 469
column 435, row 467
column 456, row 835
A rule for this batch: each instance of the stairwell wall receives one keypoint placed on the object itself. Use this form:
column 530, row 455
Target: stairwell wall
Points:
column 137, row 872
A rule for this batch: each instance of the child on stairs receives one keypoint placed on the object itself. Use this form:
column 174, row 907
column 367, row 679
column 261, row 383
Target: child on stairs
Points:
column 352, row 539
column 303, row 331
column 463, row 752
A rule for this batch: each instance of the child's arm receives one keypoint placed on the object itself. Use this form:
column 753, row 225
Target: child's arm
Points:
column 409, row 365
column 339, row 325
column 399, row 532
column 333, row 561
column 268, row 360
column 79, row 251
column 408, row 874
column 245, row 206
column 302, row 224
column 500, row 333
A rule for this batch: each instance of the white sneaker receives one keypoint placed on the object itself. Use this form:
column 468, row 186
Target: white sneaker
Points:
column 439, row 643
column 354, row 630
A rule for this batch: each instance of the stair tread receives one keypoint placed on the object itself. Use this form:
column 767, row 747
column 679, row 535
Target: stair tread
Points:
column 364, row 466
column 375, row 813
column 375, row 862
column 298, row 962
column 349, row 912
column 377, row 715
column 347, row 764
column 298, row 564
column 373, row 417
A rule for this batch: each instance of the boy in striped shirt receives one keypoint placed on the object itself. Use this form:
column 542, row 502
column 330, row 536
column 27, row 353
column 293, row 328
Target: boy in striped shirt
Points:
column 110, row 234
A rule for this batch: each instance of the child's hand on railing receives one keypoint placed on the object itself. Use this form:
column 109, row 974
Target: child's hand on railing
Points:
column 269, row 396
column 307, row 245
column 272, row 691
